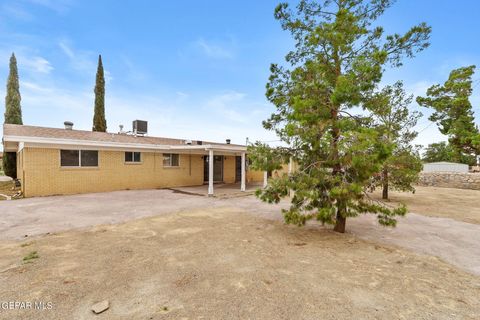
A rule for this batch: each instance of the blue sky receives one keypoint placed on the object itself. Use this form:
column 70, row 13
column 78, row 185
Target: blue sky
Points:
column 193, row 69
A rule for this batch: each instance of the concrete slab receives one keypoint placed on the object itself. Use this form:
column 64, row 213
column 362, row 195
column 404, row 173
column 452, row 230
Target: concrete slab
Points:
column 224, row 190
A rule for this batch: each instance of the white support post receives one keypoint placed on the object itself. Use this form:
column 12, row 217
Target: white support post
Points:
column 242, row 186
column 210, row 173
column 265, row 179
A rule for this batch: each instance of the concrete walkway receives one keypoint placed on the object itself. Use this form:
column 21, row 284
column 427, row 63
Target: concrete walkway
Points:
column 456, row 242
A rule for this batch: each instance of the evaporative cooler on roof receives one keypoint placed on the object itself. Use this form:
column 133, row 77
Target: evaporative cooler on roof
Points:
column 140, row 126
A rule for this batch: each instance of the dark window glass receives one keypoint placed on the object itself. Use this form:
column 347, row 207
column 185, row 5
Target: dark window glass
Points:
column 89, row 158
column 136, row 157
column 69, row 158
column 133, row 157
column 174, row 160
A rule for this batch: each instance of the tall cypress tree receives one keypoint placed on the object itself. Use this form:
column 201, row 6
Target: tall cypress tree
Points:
column 13, row 114
column 99, row 121
column 13, row 111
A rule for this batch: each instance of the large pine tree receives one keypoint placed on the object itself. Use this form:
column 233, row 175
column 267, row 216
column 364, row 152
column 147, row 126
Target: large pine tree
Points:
column 13, row 114
column 453, row 112
column 395, row 123
column 337, row 63
column 99, row 121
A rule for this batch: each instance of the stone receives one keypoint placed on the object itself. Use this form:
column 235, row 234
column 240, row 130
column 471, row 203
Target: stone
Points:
column 450, row 180
column 100, row 307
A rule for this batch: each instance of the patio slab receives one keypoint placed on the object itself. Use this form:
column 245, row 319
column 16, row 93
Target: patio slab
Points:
column 223, row 190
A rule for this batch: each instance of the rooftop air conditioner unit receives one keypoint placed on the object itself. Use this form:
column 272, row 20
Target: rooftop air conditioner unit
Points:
column 140, row 127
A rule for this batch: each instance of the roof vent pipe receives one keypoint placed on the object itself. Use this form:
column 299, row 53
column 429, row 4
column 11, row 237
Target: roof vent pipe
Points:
column 228, row 141
column 68, row 125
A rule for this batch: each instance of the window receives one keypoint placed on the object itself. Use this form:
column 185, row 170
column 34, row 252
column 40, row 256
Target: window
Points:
column 69, row 158
column 79, row 158
column 89, row 158
column 170, row 160
column 133, row 157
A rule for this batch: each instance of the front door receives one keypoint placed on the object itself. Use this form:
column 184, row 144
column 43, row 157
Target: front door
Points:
column 238, row 168
column 217, row 168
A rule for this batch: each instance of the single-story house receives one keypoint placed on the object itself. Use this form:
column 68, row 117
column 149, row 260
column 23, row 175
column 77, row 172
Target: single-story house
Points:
column 53, row 161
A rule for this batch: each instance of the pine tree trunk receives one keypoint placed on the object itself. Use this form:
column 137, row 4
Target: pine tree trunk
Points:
column 341, row 219
column 340, row 224
column 385, row 184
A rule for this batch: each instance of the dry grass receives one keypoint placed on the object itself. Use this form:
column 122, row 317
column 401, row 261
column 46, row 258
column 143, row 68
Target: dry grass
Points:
column 223, row 263
column 6, row 189
column 458, row 204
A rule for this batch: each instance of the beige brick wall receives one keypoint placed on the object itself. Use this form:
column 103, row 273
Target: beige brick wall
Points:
column 229, row 169
column 42, row 174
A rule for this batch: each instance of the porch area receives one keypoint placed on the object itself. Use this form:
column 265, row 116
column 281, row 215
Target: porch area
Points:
column 222, row 190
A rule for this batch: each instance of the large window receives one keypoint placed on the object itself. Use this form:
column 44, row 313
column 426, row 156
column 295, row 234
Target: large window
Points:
column 170, row 160
column 133, row 157
column 79, row 158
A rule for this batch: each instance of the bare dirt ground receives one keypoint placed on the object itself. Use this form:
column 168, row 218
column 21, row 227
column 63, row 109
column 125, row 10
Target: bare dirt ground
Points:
column 454, row 241
column 458, row 204
column 222, row 263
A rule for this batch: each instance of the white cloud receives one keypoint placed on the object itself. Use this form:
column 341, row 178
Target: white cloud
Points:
column 59, row 6
column 79, row 60
column 226, row 104
column 37, row 64
column 215, row 50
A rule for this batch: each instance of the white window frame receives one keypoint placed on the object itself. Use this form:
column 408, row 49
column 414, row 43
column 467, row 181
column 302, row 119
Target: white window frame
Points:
column 79, row 159
column 133, row 157
column 170, row 165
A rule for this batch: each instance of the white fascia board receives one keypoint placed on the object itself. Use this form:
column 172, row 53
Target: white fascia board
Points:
column 40, row 142
column 209, row 147
column 53, row 142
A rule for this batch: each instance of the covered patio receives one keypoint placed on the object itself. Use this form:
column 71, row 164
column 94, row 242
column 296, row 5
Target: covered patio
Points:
column 222, row 190
column 214, row 188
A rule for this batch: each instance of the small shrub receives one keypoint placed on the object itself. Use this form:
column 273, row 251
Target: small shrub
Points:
column 32, row 255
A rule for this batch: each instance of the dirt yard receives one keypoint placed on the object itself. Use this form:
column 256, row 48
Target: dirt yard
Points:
column 221, row 263
column 458, row 204
column 6, row 189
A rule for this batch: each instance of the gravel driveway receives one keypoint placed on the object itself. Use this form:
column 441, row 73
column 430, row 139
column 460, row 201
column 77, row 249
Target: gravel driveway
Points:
column 454, row 241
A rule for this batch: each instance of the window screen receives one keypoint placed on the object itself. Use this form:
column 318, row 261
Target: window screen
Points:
column 170, row 160
column 174, row 160
column 133, row 157
column 137, row 157
column 89, row 158
column 69, row 158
